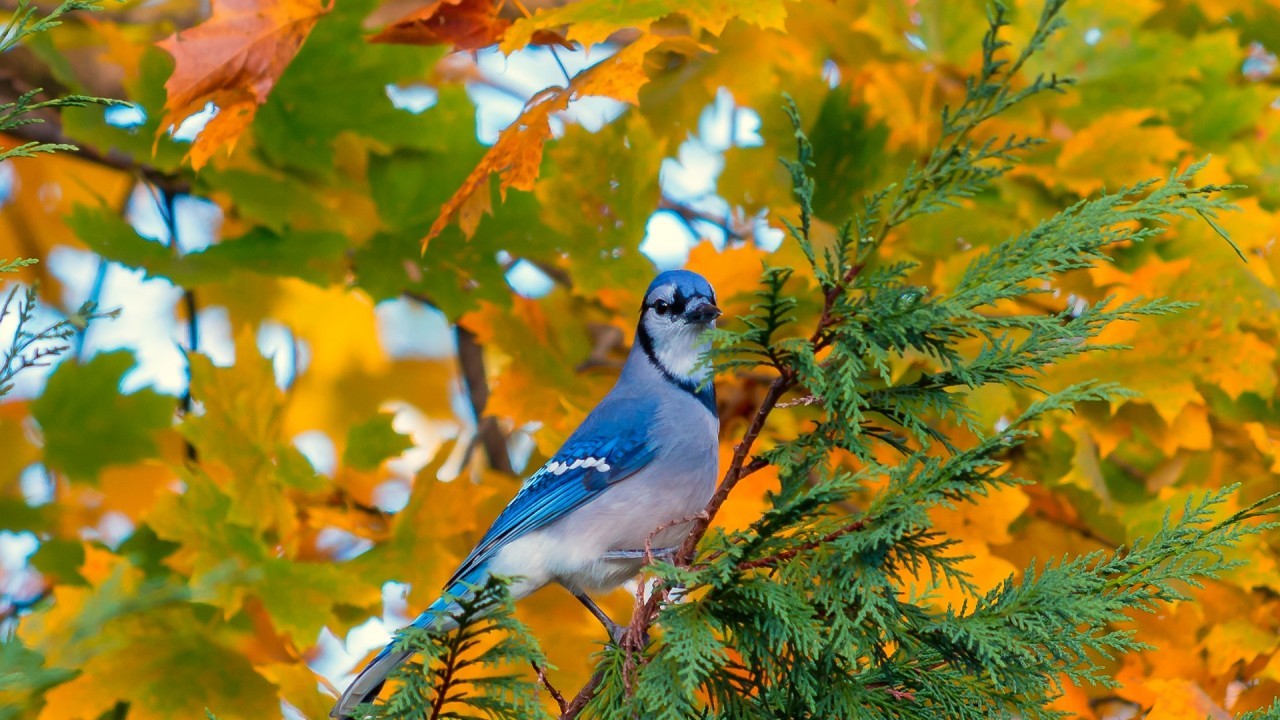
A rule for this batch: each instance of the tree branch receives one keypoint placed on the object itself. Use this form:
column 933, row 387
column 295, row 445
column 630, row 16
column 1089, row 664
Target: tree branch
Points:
column 471, row 365
column 555, row 694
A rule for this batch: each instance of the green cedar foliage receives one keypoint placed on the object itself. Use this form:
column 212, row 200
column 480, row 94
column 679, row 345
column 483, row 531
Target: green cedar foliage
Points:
column 27, row 347
column 26, row 21
column 474, row 671
column 811, row 612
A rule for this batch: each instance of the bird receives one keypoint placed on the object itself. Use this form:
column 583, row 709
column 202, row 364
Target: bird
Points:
column 633, row 475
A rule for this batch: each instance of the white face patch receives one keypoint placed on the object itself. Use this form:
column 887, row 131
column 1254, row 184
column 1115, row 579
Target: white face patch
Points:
column 678, row 346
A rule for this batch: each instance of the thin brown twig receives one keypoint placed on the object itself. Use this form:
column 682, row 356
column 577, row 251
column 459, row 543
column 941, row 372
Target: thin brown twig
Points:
column 542, row 678
column 648, row 541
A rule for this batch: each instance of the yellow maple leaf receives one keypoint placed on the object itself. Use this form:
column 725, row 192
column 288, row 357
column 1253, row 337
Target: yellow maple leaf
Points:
column 1183, row 700
column 1118, row 149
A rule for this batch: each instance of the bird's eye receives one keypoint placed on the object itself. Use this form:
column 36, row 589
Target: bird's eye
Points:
column 661, row 306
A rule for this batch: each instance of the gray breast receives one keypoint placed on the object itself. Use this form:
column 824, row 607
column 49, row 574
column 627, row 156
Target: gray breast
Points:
column 676, row 485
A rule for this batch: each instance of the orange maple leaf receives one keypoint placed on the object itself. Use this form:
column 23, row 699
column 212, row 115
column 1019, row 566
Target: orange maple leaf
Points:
column 517, row 155
column 233, row 60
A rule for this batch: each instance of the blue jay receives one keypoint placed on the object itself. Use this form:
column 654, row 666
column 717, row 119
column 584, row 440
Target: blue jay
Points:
column 640, row 466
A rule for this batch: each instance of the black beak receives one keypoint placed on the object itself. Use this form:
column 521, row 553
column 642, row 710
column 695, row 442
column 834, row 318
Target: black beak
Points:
column 702, row 314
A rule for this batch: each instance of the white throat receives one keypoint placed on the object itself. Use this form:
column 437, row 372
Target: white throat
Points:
column 678, row 349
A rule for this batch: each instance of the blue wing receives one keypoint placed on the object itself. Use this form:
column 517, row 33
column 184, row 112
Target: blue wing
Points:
column 609, row 446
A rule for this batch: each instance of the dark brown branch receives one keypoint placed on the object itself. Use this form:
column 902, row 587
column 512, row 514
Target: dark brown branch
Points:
column 583, row 697
column 471, row 365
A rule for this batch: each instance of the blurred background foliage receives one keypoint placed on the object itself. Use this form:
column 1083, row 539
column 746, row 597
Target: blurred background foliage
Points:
column 341, row 341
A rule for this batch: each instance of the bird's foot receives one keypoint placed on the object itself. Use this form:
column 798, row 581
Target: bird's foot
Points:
column 619, row 634
column 616, row 632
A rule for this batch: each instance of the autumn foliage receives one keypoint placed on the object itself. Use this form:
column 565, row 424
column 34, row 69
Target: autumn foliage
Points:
column 188, row 547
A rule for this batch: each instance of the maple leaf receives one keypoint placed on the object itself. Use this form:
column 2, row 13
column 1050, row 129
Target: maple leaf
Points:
column 517, row 155
column 464, row 24
column 233, row 59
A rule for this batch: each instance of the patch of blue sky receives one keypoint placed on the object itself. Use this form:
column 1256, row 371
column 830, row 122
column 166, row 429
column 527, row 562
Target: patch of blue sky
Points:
column 667, row 240
column 289, row 355
column 190, row 128
column 725, row 124
column 408, row 329
column 831, row 73
column 36, row 485
column 216, row 339
column 127, row 116
column 317, row 447
column 8, row 182
column 415, row 98
column 528, row 280
column 147, row 323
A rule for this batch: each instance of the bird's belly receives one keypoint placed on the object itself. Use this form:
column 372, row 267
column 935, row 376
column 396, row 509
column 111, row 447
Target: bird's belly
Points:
column 623, row 519
column 573, row 550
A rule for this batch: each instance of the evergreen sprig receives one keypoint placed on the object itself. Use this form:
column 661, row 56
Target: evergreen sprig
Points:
column 470, row 672
column 28, row 348
column 25, row 21
column 37, row 348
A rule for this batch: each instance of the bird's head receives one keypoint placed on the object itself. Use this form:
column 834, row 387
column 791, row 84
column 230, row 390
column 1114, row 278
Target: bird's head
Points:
column 678, row 308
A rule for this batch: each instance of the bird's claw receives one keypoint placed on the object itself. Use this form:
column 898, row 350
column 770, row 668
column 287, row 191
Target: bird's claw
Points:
column 619, row 634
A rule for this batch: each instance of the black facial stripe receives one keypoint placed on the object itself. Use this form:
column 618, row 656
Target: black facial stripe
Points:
column 676, row 305
column 705, row 394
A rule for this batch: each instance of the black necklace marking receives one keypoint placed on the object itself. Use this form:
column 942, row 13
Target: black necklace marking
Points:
column 706, row 394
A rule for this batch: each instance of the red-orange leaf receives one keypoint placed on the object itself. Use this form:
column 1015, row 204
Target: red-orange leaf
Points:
column 517, row 155
column 233, row 59
column 464, row 24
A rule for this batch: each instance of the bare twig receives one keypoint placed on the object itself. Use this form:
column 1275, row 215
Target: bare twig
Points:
column 555, row 694
column 648, row 541
column 688, row 214
column 471, row 365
